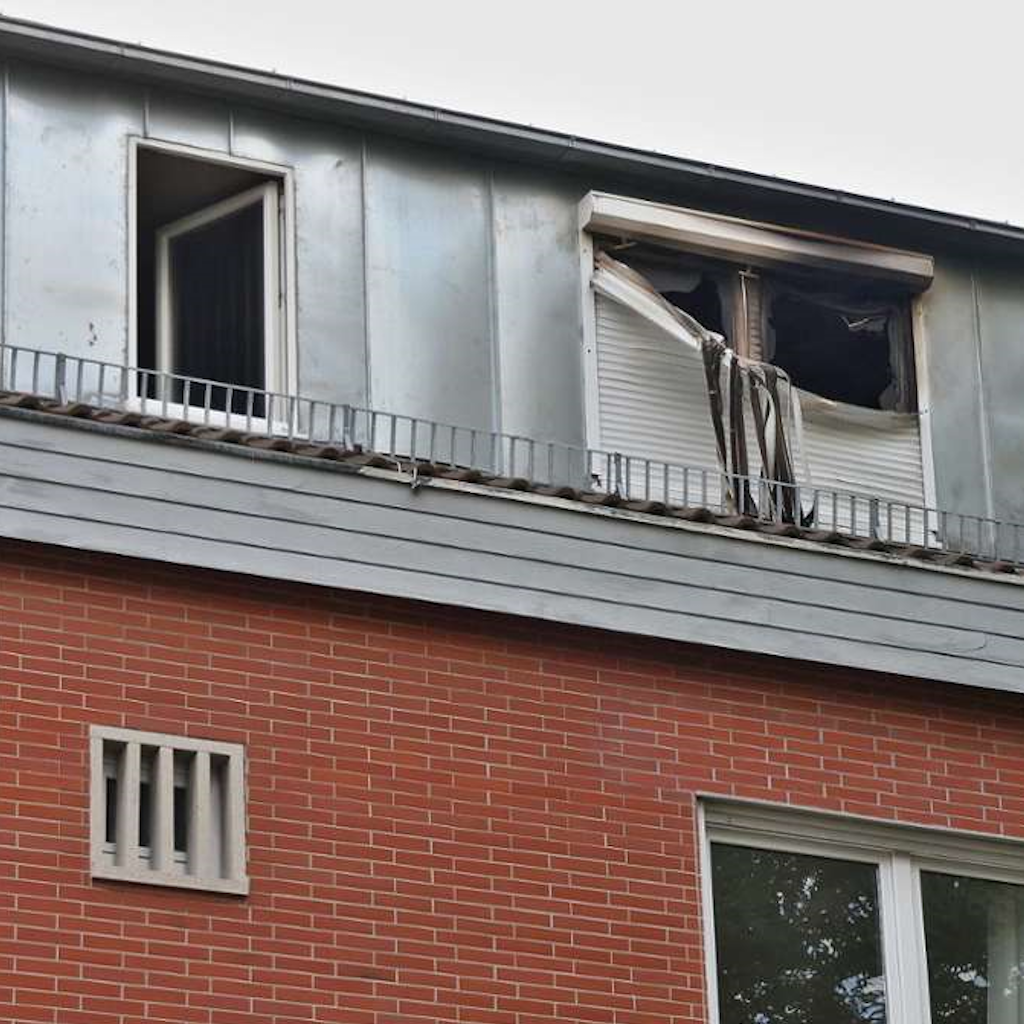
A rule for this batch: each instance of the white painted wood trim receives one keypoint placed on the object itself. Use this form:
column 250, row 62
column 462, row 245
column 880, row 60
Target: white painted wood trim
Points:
column 748, row 242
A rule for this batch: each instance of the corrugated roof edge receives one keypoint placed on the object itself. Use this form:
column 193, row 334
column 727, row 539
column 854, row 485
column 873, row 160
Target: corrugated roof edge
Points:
column 54, row 45
column 14, row 402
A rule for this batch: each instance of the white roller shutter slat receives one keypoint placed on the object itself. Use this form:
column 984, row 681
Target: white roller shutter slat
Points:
column 653, row 405
column 652, row 401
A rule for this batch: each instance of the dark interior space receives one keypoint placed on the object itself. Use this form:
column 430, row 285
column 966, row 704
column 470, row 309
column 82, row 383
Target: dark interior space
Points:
column 703, row 303
column 697, row 286
column 844, row 347
column 170, row 187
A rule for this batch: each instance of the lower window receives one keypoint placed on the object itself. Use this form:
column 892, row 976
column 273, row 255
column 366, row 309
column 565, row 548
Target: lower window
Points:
column 821, row 920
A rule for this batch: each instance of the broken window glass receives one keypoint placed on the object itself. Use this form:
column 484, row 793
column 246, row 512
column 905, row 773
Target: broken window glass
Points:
column 843, row 346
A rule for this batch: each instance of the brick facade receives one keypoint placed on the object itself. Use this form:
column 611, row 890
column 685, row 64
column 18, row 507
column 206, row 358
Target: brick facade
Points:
column 452, row 816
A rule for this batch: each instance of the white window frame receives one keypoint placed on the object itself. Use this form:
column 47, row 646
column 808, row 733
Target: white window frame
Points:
column 901, row 852
column 280, row 294
column 216, row 859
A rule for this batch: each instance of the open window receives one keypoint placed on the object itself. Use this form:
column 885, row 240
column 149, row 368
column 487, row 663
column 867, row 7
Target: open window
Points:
column 828, row 316
column 211, row 298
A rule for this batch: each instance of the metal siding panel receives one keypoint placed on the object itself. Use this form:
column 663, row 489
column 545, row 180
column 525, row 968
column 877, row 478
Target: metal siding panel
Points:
column 1001, row 310
column 536, row 291
column 329, row 246
column 429, row 317
column 190, row 120
column 954, row 389
column 67, row 172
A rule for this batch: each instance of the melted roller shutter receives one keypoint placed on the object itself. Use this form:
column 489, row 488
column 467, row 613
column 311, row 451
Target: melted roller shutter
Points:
column 653, row 402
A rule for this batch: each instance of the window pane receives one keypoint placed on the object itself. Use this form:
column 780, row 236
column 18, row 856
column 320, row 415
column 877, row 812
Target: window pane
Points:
column 797, row 938
column 974, row 936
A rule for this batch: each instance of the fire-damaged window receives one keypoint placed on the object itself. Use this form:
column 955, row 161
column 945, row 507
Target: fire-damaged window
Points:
column 849, row 343
column 842, row 339
column 730, row 359
column 210, row 295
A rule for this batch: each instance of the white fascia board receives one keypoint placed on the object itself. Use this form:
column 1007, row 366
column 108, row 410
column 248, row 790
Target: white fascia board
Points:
column 747, row 241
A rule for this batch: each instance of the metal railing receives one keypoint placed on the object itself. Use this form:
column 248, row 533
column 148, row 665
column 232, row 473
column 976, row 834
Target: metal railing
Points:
column 409, row 440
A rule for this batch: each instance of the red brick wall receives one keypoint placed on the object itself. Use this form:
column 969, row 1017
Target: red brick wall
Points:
column 452, row 816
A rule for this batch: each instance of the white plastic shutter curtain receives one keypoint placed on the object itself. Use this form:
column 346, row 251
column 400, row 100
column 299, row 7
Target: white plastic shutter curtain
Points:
column 652, row 403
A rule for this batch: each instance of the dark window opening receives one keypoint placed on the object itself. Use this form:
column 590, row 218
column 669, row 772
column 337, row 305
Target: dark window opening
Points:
column 703, row 303
column 110, row 832
column 843, row 338
column 213, row 319
column 702, row 288
column 843, row 347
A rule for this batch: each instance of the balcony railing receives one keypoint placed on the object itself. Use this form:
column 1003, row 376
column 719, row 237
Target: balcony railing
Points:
column 409, row 440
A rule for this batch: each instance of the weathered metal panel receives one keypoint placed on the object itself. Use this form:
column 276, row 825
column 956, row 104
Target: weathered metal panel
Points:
column 189, row 120
column 327, row 166
column 67, row 174
column 98, row 489
column 428, row 286
column 537, row 308
column 949, row 337
column 1001, row 318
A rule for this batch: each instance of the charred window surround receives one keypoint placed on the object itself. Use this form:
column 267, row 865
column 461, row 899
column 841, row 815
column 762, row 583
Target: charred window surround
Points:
column 843, row 338
column 211, row 291
column 834, row 313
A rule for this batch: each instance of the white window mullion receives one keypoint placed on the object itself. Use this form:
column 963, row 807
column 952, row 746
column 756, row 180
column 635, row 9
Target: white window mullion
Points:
column 199, row 817
column 98, row 800
column 911, row 938
column 162, row 798
column 128, row 779
column 234, row 817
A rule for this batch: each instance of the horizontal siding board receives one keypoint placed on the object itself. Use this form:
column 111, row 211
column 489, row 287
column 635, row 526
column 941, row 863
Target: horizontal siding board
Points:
column 526, row 559
column 360, row 537
column 394, row 513
column 55, row 528
column 107, row 449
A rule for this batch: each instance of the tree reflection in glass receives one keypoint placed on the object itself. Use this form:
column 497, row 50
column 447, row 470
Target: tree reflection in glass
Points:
column 974, row 938
column 797, row 938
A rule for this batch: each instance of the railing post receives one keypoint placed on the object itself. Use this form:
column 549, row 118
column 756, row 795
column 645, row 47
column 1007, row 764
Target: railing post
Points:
column 60, row 382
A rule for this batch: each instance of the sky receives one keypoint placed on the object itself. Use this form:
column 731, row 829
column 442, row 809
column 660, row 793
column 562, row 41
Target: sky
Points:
column 907, row 100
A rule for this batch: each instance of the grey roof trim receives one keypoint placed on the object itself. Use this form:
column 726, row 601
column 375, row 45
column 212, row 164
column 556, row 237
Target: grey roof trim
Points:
column 446, row 127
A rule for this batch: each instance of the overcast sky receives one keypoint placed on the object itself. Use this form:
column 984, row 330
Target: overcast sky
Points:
column 916, row 101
